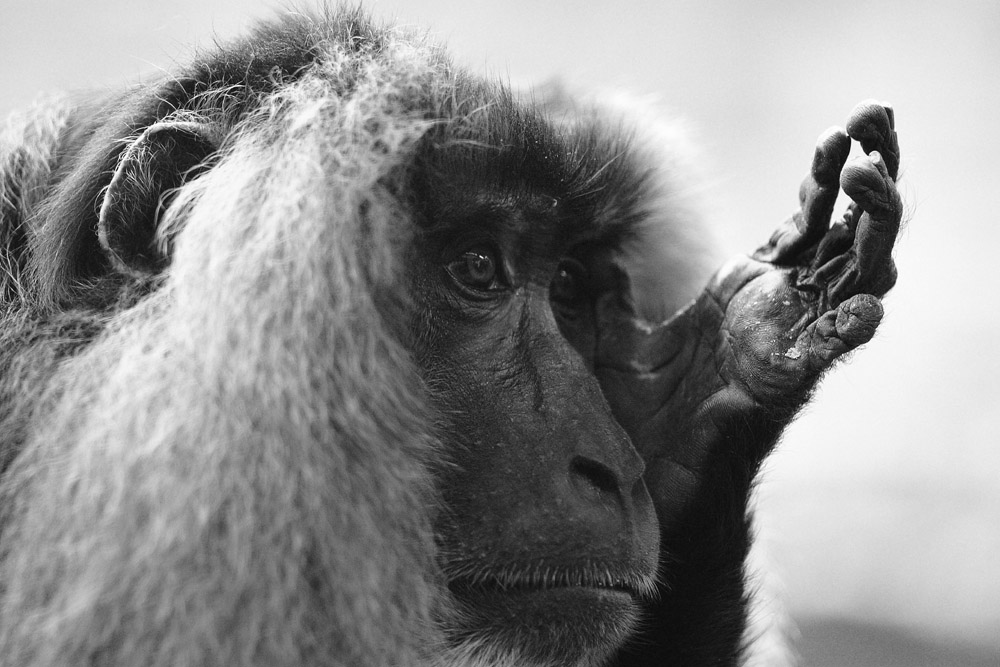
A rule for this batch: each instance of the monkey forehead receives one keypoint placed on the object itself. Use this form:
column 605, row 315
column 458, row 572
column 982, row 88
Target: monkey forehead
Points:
column 518, row 148
column 519, row 173
column 526, row 225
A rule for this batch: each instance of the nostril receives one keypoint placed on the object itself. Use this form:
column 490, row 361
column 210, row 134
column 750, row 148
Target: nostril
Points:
column 596, row 475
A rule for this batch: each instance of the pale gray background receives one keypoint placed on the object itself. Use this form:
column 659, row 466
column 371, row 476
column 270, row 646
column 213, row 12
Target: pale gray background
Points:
column 883, row 504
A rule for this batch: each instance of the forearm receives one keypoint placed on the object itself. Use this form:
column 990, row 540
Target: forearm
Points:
column 699, row 616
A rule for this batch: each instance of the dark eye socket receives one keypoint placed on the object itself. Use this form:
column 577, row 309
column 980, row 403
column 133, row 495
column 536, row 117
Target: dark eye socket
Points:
column 569, row 284
column 478, row 268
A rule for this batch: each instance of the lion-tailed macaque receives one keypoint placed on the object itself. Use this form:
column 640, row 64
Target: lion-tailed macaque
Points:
column 323, row 351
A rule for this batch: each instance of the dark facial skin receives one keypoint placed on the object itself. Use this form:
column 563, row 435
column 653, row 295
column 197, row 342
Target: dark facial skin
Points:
column 549, row 527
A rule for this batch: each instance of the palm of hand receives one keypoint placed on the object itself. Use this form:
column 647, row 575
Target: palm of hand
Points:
column 725, row 375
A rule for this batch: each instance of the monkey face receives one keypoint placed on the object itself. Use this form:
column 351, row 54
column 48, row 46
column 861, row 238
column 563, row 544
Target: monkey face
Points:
column 547, row 532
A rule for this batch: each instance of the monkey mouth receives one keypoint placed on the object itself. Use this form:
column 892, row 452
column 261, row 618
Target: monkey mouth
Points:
column 591, row 608
column 594, row 580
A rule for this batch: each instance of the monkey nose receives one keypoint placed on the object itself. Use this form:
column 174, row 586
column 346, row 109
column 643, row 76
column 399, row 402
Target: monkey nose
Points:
column 598, row 482
column 611, row 500
column 593, row 478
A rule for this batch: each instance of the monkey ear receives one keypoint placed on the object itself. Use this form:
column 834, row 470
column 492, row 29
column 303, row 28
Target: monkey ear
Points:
column 159, row 161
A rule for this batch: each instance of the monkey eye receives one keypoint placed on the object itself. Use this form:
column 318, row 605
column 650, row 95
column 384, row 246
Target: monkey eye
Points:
column 477, row 268
column 568, row 286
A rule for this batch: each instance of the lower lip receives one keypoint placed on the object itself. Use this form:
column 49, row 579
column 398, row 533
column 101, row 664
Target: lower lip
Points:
column 595, row 592
column 559, row 601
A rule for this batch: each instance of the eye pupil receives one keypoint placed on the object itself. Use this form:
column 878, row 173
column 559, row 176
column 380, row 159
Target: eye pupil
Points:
column 567, row 283
column 479, row 267
column 476, row 268
column 563, row 285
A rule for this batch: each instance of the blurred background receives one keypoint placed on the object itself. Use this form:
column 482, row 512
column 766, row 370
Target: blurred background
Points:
column 881, row 509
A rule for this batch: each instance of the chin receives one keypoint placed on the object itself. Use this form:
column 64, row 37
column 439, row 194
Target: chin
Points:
column 574, row 626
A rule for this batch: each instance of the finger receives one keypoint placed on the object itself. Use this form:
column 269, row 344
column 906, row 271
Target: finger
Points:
column 873, row 125
column 819, row 190
column 817, row 196
column 868, row 182
column 851, row 324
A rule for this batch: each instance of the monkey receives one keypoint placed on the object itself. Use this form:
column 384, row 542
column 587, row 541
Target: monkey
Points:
column 322, row 350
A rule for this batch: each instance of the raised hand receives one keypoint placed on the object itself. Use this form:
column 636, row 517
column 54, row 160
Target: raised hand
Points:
column 767, row 325
column 705, row 395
